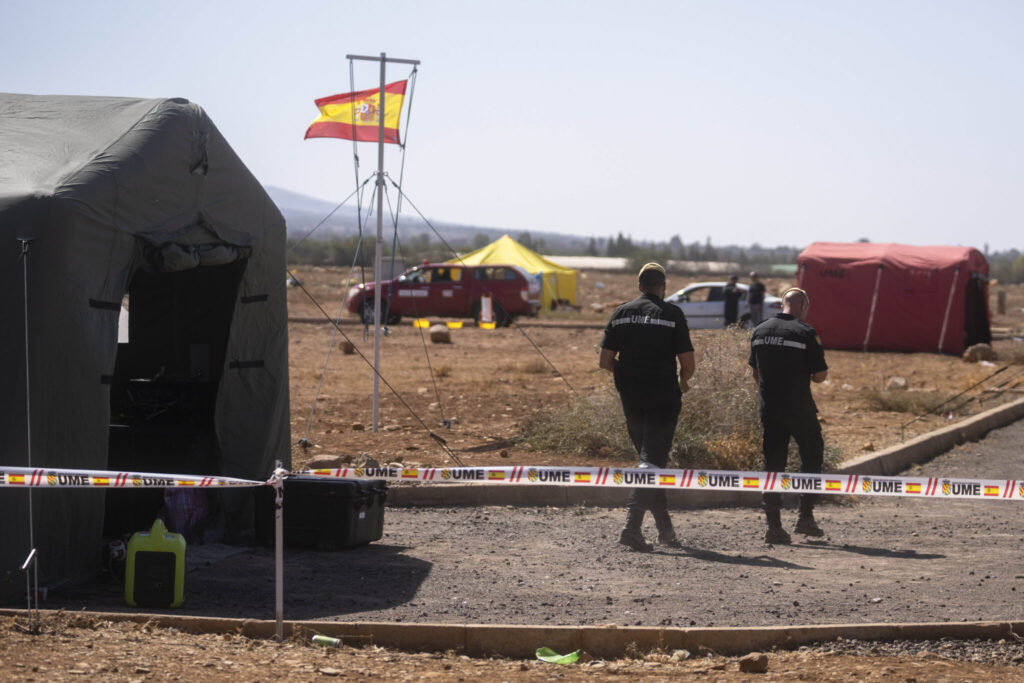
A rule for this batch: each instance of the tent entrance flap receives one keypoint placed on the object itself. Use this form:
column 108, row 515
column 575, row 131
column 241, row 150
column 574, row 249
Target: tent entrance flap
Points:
column 164, row 388
column 976, row 325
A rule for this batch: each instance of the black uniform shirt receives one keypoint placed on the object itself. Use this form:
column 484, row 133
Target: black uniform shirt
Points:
column 786, row 351
column 648, row 335
column 731, row 293
column 755, row 293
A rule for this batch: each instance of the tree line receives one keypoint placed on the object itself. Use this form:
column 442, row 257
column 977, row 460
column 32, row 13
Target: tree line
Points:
column 334, row 250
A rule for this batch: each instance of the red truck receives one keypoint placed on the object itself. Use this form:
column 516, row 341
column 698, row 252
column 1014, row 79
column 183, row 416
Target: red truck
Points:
column 451, row 290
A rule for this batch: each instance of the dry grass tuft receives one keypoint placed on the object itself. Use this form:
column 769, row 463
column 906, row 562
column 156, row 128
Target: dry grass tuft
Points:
column 535, row 366
column 914, row 402
column 718, row 428
column 1012, row 356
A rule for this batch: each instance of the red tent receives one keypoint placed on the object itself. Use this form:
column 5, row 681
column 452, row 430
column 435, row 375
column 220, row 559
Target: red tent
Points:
column 896, row 297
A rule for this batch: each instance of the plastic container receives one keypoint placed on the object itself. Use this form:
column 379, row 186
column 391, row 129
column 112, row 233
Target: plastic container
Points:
column 155, row 569
column 324, row 513
column 370, row 523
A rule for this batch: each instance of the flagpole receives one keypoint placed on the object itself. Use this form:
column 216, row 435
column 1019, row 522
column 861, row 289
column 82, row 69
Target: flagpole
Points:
column 378, row 258
column 378, row 251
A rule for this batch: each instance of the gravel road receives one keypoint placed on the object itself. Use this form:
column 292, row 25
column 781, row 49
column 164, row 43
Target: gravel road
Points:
column 883, row 560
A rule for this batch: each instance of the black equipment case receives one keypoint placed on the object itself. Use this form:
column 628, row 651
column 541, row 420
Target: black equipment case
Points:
column 322, row 513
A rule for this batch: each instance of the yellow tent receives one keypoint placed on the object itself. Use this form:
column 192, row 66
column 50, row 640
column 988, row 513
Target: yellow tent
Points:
column 558, row 283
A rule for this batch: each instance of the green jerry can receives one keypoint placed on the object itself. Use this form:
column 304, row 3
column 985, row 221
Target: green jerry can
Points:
column 155, row 571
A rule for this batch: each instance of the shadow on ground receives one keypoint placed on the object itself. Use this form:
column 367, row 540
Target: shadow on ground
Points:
column 316, row 585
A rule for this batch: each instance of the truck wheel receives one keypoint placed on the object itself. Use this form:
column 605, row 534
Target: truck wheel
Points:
column 367, row 311
column 501, row 318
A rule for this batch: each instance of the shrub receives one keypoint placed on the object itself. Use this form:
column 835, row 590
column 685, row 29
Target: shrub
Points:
column 1012, row 356
column 718, row 427
column 915, row 402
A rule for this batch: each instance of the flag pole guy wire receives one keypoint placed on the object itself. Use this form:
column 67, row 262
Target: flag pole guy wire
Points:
column 377, row 256
column 30, row 560
column 935, row 410
column 438, row 439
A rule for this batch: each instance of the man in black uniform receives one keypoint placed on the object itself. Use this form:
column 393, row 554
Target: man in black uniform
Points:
column 732, row 295
column 755, row 299
column 786, row 356
column 648, row 336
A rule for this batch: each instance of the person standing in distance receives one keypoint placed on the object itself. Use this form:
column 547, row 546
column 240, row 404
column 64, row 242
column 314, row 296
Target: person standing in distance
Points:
column 642, row 343
column 755, row 299
column 732, row 295
column 786, row 356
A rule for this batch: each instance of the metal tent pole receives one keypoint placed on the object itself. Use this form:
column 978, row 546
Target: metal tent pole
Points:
column 949, row 303
column 871, row 315
column 33, row 555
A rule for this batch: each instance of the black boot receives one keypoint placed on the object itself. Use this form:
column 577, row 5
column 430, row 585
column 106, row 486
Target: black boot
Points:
column 805, row 523
column 631, row 536
column 775, row 535
column 666, row 534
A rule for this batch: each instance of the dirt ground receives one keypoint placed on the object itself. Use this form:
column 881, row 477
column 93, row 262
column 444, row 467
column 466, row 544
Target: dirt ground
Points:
column 882, row 560
column 75, row 648
column 487, row 382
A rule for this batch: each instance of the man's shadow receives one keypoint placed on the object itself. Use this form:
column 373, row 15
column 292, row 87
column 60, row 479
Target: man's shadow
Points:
column 870, row 552
column 755, row 561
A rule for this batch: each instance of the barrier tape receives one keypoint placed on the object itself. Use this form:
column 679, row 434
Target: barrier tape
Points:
column 44, row 477
column 638, row 477
column 694, row 480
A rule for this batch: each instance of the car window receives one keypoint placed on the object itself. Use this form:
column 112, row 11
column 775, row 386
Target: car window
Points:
column 702, row 294
column 442, row 274
column 413, row 275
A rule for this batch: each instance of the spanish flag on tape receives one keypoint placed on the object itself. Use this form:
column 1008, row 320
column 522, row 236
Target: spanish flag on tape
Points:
column 356, row 115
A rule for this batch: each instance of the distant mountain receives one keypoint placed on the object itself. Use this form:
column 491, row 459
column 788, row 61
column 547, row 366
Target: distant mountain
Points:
column 303, row 213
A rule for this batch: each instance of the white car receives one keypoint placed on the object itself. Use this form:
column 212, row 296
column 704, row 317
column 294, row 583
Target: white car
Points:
column 704, row 305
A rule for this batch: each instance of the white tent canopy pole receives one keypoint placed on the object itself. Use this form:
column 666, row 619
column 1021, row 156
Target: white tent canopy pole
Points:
column 949, row 305
column 874, row 300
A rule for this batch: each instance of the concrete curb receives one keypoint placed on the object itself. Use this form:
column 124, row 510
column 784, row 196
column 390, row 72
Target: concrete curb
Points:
column 599, row 641
column 927, row 446
column 885, row 462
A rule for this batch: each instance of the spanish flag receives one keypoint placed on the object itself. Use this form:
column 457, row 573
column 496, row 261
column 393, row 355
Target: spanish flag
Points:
column 356, row 115
column 410, row 473
column 991, row 490
column 751, row 483
column 581, row 477
column 911, row 487
column 667, row 479
column 833, row 485
column 495, row 475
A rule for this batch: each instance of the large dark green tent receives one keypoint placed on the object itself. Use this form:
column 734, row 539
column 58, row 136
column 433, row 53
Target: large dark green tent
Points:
column 138, row 203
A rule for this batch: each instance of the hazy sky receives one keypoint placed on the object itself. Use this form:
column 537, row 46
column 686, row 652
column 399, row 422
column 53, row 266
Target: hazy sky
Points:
column 757, row 121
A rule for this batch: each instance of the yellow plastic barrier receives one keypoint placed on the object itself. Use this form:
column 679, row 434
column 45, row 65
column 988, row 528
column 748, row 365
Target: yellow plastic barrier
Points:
column 486, row 326
column 454, row 325
column 421, row 322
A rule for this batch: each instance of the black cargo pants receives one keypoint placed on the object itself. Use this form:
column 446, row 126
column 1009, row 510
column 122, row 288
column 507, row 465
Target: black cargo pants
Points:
column 651, row 422
column 807, row 432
